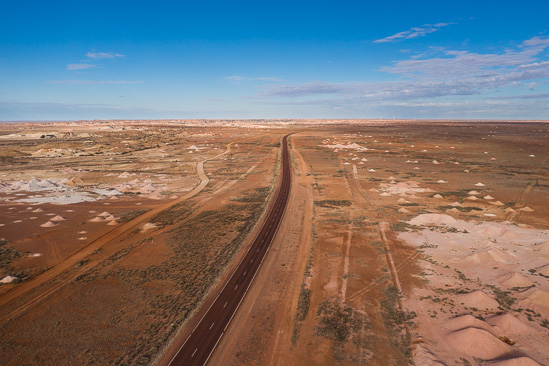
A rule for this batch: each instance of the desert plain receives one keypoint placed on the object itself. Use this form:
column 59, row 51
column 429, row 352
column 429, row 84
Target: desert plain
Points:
column 403, row 242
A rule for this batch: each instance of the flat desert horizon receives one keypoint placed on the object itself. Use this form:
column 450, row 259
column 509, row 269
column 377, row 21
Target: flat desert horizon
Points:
column 379, row 242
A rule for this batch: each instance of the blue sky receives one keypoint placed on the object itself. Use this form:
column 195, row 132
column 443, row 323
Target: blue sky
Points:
column 70, row 60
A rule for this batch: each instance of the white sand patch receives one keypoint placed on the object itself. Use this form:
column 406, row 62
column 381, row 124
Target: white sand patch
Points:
column 148, row 226
column 404, row 189
column 82, row 238
column 8, row 279
column 34, row 255
column 60, row 198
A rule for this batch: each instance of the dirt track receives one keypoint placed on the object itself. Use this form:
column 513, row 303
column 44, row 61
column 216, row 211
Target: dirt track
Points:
column 93, row 246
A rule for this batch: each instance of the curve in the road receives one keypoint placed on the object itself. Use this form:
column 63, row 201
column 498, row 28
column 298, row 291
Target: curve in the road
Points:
column 198, row 347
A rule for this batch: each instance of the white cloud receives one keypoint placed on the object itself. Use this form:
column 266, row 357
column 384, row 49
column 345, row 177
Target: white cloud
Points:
column 94, row 82
column 246, row 78
column 454, row 73
column 73, row 67
column 414, row 32
column 103, row 55
column 537, row 41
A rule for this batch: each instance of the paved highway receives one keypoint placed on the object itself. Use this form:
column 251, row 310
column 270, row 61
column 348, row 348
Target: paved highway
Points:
column 198, row 347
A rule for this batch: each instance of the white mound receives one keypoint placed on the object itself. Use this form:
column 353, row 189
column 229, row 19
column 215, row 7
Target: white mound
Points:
column 435, row 162
column 402, row 200
column 477, row 299
column 539, row 297
column 58, row 218
column 498, row 203
column 479, row 184
column 373, row 190
column 403, row 210
column 437, row 196
column 455, row 204
column 38, row 210
column 467, row 321
column 515, row 279
column 488, row 197
column 508, row 324
column 49, row 224
column 113, row 222
column 472, row 198
column 8, row 279
column 433, row 219
column 97, row 219
column 148, row 226
column 478, row 343
column 441, row 181
column 491, row 256
column 104, row 214
column 496, row 232
column 526, row 209
column 473, row 192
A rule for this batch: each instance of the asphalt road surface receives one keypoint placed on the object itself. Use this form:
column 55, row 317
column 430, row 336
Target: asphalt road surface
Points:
column 198, row 347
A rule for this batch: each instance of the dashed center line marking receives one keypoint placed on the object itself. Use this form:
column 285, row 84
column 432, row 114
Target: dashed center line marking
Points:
column 212, row 325
column 236, row 287
column 225, row 305
column 194, row 352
